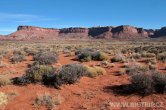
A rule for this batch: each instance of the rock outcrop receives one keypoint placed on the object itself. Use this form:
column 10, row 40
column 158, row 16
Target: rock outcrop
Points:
column 108, row 32
column 76, row 32
column 160, row 33
column 128, row 32
column 34, row 33
column 100, row 32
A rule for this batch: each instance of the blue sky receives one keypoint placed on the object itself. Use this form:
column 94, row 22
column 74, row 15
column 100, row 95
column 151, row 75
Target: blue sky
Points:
column 84, row 13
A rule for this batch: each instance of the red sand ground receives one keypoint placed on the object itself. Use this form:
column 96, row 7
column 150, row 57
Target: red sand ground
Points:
column 88, row 94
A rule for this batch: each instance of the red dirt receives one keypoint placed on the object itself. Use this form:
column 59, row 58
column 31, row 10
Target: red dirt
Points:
column 89, row 93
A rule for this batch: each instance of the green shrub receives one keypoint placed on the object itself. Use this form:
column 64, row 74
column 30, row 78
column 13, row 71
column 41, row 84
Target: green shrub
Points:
column 142, row 83
column 71, row 73
column 136, row 68
column 46, row 58
column 159, row 81
column 35, row 73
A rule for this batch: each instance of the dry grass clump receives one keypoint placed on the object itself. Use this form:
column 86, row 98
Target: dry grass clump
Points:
column 99, row 56
column 119, row 58
column 4, row 80
column 48, row 100
column 3, row 98
column 36, row 73
column 2, row 64
column 106, row 64
column 94, row 71
column 89, row 54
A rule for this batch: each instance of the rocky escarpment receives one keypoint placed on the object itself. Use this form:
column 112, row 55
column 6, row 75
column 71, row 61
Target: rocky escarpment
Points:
column 129, row 32
column 160, row 33
column 124, row 32
column 34, row 33
column 100, row 32
column 108, row 32
column 74, row 32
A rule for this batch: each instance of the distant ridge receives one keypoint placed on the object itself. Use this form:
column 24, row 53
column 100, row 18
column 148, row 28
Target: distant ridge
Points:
column 107, row 32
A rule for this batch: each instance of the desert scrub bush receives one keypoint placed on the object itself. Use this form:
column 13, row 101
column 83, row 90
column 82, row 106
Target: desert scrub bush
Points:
column 3, row 98
column 48, row 100
column 46, row 57
column 52, row 80
column 4, row 53
column 18, row 52
column 99, row 56
column 136, row 55
column 121, row 71
column 118, row 58
column 161, row 57
column 18, row 58
column 159, row 81
column 94, row 71
column 71, row 73
column 36, row 72
column 150, row 60
column 135, row 68
column 79, row 51
column 142, row 83
column 4, row 80
column 85, row 56
column 148, row 55
column 23, row 80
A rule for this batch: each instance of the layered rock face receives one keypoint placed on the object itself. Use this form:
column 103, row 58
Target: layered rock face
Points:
column 34, row 33
column 128, row 32
column 100, row 32
column 160, row 33
column 108, row 32
column 125, row 32
column 74, row 32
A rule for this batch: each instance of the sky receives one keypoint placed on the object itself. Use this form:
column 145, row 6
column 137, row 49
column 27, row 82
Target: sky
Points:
column 149, row 14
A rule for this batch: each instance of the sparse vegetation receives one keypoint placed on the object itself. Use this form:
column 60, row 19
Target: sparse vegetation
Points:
column 118, row 58
column 18, row 58
column 3, row 98
column 48, row 100
column 46, row 58
column 36, row 73
column 94, row 71
column 142, row 83
column 4, row 80
column 162, row 57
